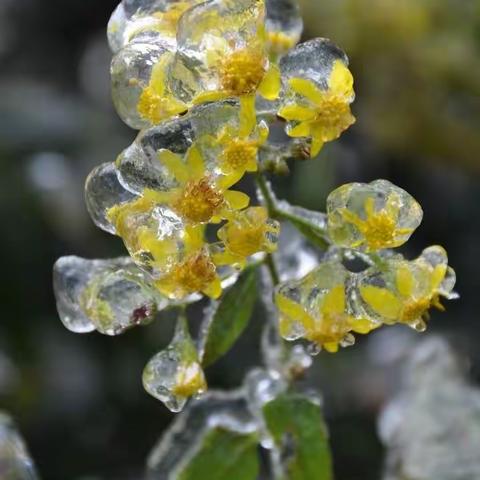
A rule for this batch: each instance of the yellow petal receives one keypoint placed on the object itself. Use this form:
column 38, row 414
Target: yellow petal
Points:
column 317, row 143
column 271, row 84
column 341, row 80
column 204, row 97
column 195, row 162
column 214, row 289
column 194, row 237
column 294, row 311
column 248, row 115
column 237, row 200
column 385, row 303
column 331, row 347
column 225, row 258
column 226, row 181
column 297, row 113
column 438, row 275
column 158, row 76
column 175, row 165
column 363, row 325
column 334, row 300
column 307, row 89
column 301, row 130
column 405, row 281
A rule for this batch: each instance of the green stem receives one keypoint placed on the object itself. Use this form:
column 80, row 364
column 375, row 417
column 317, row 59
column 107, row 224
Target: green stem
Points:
column 272, row 268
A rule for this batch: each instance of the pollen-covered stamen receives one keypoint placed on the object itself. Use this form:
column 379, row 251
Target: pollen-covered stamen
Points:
column 240, row 153
column 195, row 273
column 333, row 112
column 199, row 200
column 415, row 309
column 242, row 72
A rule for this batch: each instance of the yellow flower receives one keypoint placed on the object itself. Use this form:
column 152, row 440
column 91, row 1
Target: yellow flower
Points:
column 156, row 103
column 315, row 308
column 167, row 21
column 201, row 196
column 321, row 115
column 239, row 145
column 246, row 233
column 410, row 289
column 372, row 216
column 175, row 253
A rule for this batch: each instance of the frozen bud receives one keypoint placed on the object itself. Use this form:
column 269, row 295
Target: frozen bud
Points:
column 372, row 216
column 284, row 26
column 175, row 374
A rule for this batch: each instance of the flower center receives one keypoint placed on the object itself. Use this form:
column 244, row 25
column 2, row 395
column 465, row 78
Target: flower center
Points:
column 334, row 112
column 155, row 108
column 195, row 273
column 239, row 154
column 242, row 72
column 199, row 201
column 379, row 230
column 415, row 310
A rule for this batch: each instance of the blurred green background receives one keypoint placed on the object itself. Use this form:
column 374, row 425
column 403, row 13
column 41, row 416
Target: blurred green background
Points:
column 78, row 399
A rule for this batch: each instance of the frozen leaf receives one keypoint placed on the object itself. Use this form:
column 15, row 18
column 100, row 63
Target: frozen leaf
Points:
column 224, row 454
column 228, row 318
column 299, row 432
column 107, row 295
column 181, row 442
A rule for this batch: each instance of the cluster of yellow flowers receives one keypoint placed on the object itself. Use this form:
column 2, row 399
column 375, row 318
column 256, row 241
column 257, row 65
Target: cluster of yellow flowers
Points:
column 213, row 63
column 331, row 303
column 206, row 83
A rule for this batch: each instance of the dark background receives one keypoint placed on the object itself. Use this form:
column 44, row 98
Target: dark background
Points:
column 78, row 399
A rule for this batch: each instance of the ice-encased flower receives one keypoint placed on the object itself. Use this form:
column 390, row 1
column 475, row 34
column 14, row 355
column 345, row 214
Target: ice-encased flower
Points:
column 175, row 374
column 109, row 296
column 246, row 233
column 405, row 290
column 372, row 216
column 318, row 308
column 222, row 53
column 318, row 91
column 226, row 134
column 155, row 20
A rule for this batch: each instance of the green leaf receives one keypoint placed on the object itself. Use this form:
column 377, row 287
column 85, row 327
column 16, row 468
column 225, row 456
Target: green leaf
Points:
column 296, row 422
column 312, row 224
column 230, row 317
column 224, row 455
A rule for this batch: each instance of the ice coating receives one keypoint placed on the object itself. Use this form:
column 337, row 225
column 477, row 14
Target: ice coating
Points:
column 372, row 216
column 103, row 190
column 109, row 296
column 175, row 374
column 226, row 410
